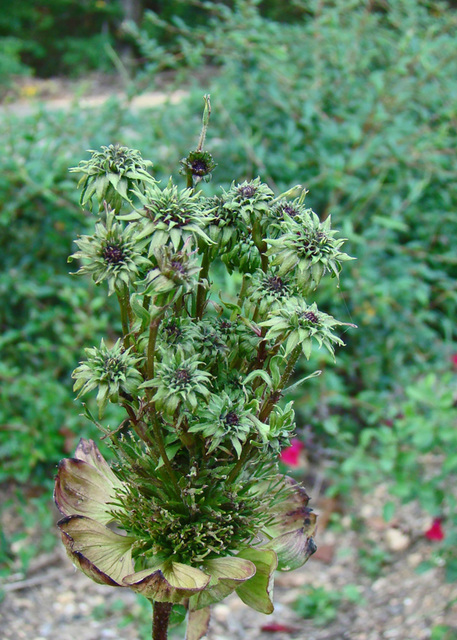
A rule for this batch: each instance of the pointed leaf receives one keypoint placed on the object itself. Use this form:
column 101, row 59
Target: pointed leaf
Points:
column 259, row 373
column 301, row 381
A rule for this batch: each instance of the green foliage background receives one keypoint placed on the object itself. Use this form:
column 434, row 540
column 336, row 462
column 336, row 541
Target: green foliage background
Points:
column 353, row 100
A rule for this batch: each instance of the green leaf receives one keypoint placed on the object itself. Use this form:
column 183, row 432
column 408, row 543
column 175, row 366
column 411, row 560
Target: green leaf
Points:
column 388, row 511
column 295, row 386
column 258, row 591
column 259, row 373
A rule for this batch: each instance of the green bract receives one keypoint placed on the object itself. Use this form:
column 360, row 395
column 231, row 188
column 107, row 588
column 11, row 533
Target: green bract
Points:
column 110, row 174
column 299, row 323
column 198, row 165
column 306, row 247
column 113, row 254
column 111, row 370
column 194, row 507
column 171, row 216
column 175, row 271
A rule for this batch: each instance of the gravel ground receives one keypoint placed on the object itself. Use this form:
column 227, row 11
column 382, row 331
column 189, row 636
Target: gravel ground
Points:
column 54, row 601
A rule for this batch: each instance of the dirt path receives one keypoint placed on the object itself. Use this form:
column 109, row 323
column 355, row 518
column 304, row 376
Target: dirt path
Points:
column 146, row 100
column 28, row 95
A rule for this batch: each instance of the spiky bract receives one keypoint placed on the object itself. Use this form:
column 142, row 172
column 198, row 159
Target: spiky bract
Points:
column 171, row 216
column 113, row 254
column 113, row 370
column 110, row 174
column 308, row 248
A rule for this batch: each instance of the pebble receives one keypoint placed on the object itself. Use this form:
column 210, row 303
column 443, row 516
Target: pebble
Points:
column 46, row 629
column 221, row 612
column 396, row 540
column 414, row 559
column 367, row 511
column 380, row 584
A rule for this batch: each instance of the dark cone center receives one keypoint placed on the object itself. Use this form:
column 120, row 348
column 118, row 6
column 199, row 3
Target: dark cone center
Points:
column 113, row 254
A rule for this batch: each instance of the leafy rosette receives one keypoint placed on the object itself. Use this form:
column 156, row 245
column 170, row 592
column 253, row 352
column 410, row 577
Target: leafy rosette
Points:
column 113, row 370
column 266, row 292
column 113, row 254
column 110, row 174
column 171, row 216
column 300, row 324
column 87, row 492
column 250, row 200
column 307, row 247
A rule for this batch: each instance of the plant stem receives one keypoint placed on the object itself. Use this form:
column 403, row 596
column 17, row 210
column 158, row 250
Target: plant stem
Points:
column 160, row 619
column 261, row 245
column 124, row 307
column 244, row 288
column 296, row 353
column 274, row 397
column 243, row 458
column 205, row 122
column 160, row 444
column 201, row 287
column 153, row 328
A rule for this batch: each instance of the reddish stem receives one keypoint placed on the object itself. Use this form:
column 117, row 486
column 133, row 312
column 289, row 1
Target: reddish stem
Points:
column 160, row 619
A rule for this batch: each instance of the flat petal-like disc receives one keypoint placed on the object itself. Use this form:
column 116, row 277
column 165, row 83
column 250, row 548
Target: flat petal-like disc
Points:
column 104, row 556
column 169, row 582
column 88, row 451
column 293, row 512
column 293, row 549
column 81, row 489
column 197, row 624
column 226, row 575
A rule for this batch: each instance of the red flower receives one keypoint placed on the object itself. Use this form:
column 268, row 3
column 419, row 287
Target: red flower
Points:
column 275, row 627
column 291, row 455
column 435, row 533
column 454, row 359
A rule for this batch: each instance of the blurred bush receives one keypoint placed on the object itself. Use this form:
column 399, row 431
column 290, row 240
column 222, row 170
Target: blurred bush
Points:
column 46, row 316
column 62, row 37
column 55, row 37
